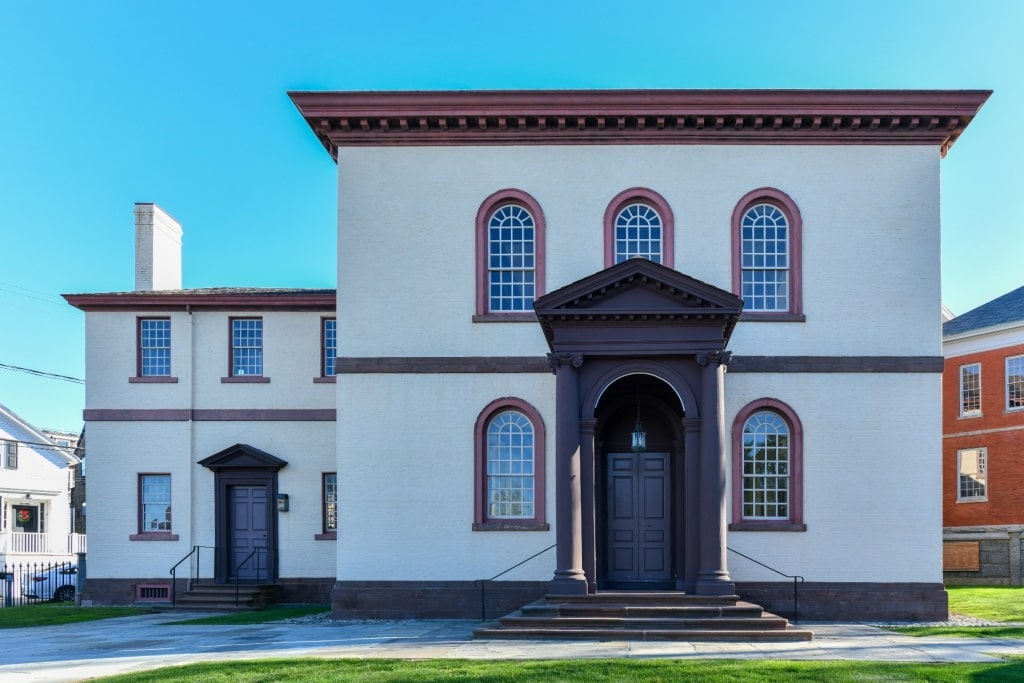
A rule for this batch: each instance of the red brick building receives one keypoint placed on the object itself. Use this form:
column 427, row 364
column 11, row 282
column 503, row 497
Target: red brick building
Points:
column 983, row 442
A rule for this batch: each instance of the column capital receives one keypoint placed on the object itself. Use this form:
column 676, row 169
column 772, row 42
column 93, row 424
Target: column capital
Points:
column 715, row 357
column 557, row 360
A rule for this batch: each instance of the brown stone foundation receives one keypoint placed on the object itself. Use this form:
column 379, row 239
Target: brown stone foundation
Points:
column 291, row 591
column 834, row 601
column 431, row 599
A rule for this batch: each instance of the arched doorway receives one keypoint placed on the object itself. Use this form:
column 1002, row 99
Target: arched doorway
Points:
column 639, row 509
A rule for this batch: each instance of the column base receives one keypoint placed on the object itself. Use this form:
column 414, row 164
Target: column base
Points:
column 715, row 583
column 568, row 582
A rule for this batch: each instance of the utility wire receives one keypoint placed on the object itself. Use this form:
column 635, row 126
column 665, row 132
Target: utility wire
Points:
column 40, row 373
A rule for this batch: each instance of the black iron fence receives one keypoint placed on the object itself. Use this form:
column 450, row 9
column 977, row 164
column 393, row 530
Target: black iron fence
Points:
column 31, row 582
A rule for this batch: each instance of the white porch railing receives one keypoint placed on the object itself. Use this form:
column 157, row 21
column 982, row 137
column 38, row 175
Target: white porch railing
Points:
column 15, row 543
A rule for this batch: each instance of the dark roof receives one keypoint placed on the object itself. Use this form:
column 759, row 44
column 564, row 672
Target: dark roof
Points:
column 1009, row 308
column 209, row 297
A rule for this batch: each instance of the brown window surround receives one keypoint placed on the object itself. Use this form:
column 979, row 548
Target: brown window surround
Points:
column 796, row 474
column 139, row 378
column 148, row 535
column 480, row 520
column 483, row 216
column 327, row 534
column 324, row 378
column 245, row 379
column 640, row 195
column 784, row 203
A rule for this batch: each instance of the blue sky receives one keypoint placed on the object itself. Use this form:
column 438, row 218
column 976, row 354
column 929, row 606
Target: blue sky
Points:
column 104, row 104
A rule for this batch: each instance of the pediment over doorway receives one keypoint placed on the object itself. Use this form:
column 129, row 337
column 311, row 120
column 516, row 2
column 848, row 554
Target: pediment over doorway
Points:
column 242, row 456
column 641, row 308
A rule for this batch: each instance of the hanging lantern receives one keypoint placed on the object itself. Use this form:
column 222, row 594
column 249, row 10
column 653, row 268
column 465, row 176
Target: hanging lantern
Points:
column 639, row 435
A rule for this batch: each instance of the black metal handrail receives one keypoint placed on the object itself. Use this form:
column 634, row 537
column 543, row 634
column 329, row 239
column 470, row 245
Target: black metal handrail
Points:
column 483, row 582
column 797, row 579
column 257, row 552
column 174, row 569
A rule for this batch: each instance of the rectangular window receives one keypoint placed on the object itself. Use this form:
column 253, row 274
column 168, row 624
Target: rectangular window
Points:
column 330, row 504
column 154, row 503
column 246, row 347
column 1015, row 382
column 970, row 390
column 154, row 347
column 11, row 455
column 973, row 479
column 329, row 345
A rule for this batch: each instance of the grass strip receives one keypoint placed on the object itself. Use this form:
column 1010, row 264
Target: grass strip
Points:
column 57, row 614
column 572, row 671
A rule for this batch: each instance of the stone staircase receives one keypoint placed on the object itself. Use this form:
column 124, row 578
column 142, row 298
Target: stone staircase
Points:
column 622, row 615
column 213, row 597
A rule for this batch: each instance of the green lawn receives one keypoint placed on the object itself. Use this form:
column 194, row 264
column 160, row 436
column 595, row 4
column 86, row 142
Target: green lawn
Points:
column 576, row 671
column 54, row 614
column 993, row 603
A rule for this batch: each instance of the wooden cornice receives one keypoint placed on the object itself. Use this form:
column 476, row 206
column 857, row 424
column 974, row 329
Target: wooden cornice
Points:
column 208, row 299
column 561, row 117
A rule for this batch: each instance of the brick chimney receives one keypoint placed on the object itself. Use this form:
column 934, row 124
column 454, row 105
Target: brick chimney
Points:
column 157, row 249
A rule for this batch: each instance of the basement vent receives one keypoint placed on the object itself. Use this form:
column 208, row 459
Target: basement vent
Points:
column 153, row 592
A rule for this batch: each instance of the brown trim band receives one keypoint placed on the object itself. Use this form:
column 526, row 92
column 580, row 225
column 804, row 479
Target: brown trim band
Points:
column 153, row 380
column 210, row 415
column 536, row 364
column 836, row 364
column 399, row 365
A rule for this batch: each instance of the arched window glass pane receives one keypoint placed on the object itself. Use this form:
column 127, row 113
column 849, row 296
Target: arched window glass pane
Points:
column 511, row 256
column 766, row 467
column 765, row 258
column 638, row 232
column 510, row 466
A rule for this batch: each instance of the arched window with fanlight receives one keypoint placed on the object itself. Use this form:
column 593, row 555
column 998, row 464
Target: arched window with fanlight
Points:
column 767, row 256
column 509, row 467
column 638, row 223
column 510, row 256
column 767, row 485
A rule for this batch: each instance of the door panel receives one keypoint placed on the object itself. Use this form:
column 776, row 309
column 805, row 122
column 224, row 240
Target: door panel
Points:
column 638, row 515
column 248, row 526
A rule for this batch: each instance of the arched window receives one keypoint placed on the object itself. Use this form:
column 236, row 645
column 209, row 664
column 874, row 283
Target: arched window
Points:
column 767, row 256
column 767, row 484
column 510, row 256
column 510, row 467
column 638, row 222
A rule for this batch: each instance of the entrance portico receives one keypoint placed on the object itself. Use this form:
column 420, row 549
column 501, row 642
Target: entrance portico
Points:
column 645, row 336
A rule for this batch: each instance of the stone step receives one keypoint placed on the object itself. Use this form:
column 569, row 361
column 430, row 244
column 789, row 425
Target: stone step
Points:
column 695, row 611
column 789, row 634
column 643, row 598
column 645, row 624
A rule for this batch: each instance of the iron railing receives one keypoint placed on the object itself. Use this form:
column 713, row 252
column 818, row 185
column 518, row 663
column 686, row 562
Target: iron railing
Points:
column 483, row 582
column 797, row 580
column 194, row 569
column 257, row 552
column 26, row 583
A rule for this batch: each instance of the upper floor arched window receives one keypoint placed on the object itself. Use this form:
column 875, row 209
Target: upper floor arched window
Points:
column 638, row 222
column 767, row 258
column 510, row 255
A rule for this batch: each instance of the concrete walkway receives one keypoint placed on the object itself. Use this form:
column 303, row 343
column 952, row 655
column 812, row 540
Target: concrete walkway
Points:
column 75, row 652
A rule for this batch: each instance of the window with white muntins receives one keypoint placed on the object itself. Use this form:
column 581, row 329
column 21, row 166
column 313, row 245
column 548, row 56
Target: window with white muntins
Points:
column 154, row 347
column 972, row 466
column 1015, row 382
column 511, row 259
column 970, row 390
column 638, row 232
column 766, row 466
column 510, row 466
column 764, row 257
column 246, row 347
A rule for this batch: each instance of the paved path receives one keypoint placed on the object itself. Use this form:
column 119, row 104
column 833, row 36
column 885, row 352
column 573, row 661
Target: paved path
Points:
column 75, row 652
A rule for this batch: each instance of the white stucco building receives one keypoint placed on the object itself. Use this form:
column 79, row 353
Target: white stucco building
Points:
column 473, row 396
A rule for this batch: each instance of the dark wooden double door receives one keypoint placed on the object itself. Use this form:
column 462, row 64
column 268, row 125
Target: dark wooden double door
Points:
column 638, row 521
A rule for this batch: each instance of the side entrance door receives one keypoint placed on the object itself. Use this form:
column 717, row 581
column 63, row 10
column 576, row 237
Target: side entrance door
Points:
column 639, row 511
column 249, row 510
